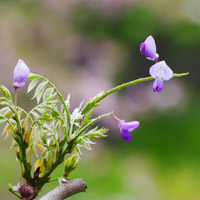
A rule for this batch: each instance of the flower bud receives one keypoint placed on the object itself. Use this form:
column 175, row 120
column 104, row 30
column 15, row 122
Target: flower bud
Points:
column 21, row 73
column 70, row 164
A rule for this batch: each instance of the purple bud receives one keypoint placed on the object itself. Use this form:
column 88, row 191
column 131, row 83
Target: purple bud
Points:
column 148, row 48
column 21, row 73
column 160, row 71
column 126, row 128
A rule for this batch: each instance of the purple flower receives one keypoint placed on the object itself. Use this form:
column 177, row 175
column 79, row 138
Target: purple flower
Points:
column 160, row 71
column 148, row 48
column 21, row 73
column 126, row 128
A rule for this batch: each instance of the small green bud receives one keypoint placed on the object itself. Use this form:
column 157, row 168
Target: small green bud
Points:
column 70, row 164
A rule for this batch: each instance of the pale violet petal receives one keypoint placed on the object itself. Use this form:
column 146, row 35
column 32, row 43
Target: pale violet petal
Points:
column 161, row 70
column 130, row 126
column 21, row 73
column 148, row 48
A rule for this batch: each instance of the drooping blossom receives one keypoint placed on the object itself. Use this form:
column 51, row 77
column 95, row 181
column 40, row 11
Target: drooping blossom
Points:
column 21, row 73
column 160, row 71
column 126, row 128
column 148, row 48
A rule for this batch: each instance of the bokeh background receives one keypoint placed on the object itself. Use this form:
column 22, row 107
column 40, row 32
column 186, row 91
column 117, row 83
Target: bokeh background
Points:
column 86, row 46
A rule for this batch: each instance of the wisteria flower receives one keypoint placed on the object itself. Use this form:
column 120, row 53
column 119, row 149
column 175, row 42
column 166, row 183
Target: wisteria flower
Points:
column 148, row 48
column 21, row 73
column 160, row 71
column 126, row 128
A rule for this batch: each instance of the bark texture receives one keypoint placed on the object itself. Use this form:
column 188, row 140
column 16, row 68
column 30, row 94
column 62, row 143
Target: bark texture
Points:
column 66, row 190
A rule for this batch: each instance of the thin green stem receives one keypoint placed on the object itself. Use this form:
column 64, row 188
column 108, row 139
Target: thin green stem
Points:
column 30, row 130
column 22, row 169
column 27, row 169
column 89, row 105
column 182, row 74
column 29, row 117
column 57, row 144
column 10, row 124
column 15, row 194
column 15, row 98
column 60, row 96
column 27, row 114
column 91, row 123
column 22, row 146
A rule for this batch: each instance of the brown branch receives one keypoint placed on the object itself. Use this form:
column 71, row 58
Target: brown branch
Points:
column 66, row 190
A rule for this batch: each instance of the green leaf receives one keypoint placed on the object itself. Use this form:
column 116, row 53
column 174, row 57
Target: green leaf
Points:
column 45, row 117
column 48, row 94
column 5, row 92
column 2, row 120
column 3, row 99
column 70, row 164
column 32, row 84
column 96, row 133
column 78, row 150
column 87, row 117
column 51, row 102
column 39, row 91
column 91, row 123
column 33, row 76
column 55, row 114
column 6, row 112
column 85, row 142
column 35, row 114
column 51, row 97
column 42, row 110
column 96, row 105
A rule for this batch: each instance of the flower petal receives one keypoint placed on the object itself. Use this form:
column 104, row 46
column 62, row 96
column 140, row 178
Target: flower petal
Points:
column 158, row 85
column 148, row 48
column 21, row 73
column 130, row 126
column 125, row 135
column 161, row 70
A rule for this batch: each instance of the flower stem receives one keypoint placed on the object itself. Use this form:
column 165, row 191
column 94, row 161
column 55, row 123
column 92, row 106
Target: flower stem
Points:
column 124, row 85
column 15, row 98
column 92, row 123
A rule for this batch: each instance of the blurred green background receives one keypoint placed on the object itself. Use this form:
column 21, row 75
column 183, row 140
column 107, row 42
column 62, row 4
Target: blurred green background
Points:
column 85, row 46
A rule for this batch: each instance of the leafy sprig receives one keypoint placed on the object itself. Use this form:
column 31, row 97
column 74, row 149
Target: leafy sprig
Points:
column 49, row 132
